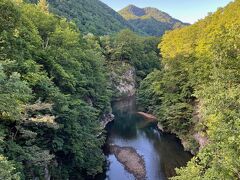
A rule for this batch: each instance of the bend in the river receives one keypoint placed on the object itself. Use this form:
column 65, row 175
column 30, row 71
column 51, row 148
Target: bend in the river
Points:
column 161, row 152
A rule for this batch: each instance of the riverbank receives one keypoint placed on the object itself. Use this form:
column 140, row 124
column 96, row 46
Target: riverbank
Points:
column 107, row 118
column 131, row 160
column 136, row 150
column 147, row 116
column 185, row 140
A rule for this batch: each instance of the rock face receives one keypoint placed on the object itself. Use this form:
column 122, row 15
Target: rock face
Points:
column 201, row 139
column 106, row 119
column 123, row 80
column 199, row 135
column 148, row 116
column 131, row 160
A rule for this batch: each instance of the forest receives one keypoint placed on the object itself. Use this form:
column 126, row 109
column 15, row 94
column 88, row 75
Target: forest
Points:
column 90, row 16
column 55, row 88
column 197, row 93
column 54, row 91
column 150, row 21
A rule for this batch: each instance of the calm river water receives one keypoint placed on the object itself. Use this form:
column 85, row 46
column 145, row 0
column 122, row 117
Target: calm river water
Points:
column 162, row 152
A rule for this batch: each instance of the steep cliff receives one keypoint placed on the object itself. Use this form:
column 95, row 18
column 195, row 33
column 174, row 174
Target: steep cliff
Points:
column 123, row 79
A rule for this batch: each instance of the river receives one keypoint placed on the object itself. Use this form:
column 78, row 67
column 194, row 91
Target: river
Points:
column 161, row 152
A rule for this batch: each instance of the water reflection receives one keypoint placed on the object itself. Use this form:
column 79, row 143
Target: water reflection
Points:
column 162, row 152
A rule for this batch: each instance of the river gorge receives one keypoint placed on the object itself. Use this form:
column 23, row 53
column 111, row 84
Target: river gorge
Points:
column 160, row 152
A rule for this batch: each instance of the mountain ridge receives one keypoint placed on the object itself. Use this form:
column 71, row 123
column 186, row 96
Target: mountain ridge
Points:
column 150, row 20
column 91, row 16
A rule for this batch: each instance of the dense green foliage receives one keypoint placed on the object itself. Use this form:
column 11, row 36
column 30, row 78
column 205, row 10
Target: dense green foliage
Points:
column 53, row 91
column 91, row 16
column 151, row 21
column 54, row 88
column 140, row 52
column 166, row 94
column 198, row 91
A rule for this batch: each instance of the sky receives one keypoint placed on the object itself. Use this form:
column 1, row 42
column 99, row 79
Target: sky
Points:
column 185, row 10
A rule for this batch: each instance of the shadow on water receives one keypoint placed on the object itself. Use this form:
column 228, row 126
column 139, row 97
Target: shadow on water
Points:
column 162, row 152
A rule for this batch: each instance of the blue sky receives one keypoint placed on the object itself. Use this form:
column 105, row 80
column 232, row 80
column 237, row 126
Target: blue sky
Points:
column 186, row 10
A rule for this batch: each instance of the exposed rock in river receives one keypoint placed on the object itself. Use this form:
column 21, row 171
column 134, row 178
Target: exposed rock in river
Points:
column 148, row 116
column 131, row 160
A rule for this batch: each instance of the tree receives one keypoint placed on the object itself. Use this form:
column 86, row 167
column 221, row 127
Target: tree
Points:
column 43, row 5
column 201, row 70
column 52, row 95
column 7, row 169
column 14, row 93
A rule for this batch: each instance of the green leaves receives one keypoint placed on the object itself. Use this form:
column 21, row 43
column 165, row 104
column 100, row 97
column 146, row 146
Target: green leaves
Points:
column 9, row 15
column 167, row 94
column 90, row 16
column 14, row 93
column 210, row 51
column 140, row 52
column 7, row 169
column 46, row 63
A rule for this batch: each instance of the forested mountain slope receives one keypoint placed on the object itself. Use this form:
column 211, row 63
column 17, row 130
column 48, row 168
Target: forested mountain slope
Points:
column 197, row 93
column 55, row 91
column 91, row 16
column 151, row 21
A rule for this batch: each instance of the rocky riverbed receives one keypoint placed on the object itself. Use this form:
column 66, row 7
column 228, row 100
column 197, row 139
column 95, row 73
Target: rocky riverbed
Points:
column 131, row 160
